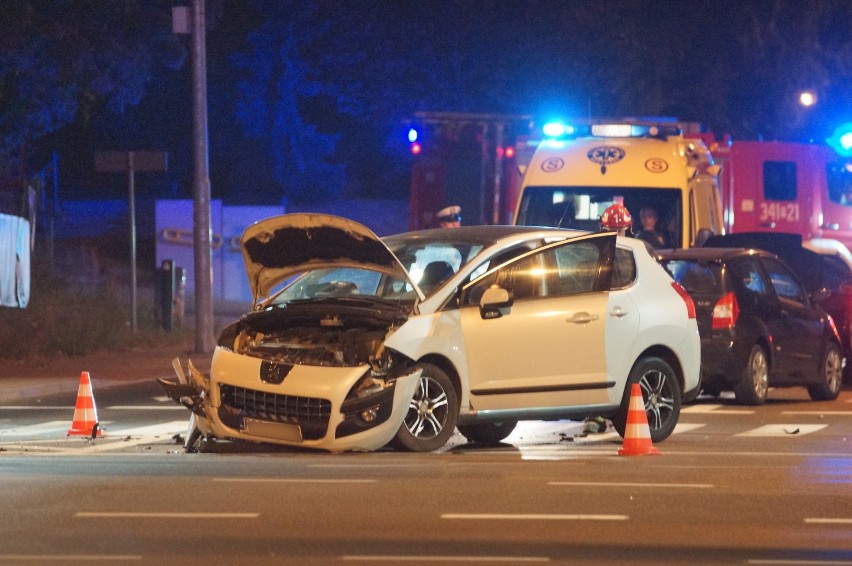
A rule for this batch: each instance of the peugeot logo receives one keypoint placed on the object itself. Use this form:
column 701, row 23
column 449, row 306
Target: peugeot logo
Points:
column 273, row 372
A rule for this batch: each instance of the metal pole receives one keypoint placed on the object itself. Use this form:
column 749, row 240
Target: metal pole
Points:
column 201, row 186
column 498, row 168
column 131, row 199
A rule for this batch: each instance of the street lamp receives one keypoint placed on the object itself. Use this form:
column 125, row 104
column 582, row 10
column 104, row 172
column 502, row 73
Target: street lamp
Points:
column 807, row 98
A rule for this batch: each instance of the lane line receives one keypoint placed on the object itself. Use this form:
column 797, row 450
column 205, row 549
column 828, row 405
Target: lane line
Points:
column 292, row 480
column 628, row 484
column 403, row 558
column 532, row 517
column 36, row 408
column 68, row 558
column 156, row 515
column 715, row 410
column 840, row 413
column 782, row 430
column 172, row 407
column 828, row 521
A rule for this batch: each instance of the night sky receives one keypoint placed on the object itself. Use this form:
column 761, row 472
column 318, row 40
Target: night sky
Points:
column 310, row 100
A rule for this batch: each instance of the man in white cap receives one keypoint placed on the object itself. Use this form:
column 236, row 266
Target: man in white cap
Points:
column 449, row 217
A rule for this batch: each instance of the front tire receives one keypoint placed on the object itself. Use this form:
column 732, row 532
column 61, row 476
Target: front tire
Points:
column 661, row 396
column 754, row 381
column 487, row 433
column 830, row 375
column 432, row 412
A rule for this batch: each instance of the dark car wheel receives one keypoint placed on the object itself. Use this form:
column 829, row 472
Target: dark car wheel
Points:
column 487, row 433
column 754, row 381
column 830, row 376
column 432, row 412
column 661, row 394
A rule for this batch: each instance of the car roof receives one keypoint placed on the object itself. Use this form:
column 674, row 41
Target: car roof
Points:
column 711, row 254
column 486, row 234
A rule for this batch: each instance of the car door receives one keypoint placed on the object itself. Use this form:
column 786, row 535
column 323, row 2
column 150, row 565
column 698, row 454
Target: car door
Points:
column 797, row 331
column 545, row 347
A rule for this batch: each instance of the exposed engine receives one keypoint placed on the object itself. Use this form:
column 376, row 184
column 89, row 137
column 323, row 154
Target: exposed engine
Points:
column 309, row 335
column 313, row 346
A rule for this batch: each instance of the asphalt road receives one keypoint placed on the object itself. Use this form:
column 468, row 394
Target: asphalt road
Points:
column 733, row 485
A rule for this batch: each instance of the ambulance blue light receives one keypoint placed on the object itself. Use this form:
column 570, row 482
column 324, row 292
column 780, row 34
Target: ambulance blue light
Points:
column 841, row 140
column 412, row 135
column 555, row 129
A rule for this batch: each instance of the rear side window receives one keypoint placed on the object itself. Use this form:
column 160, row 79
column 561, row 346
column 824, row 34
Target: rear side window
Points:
column 624, row 269
column 785, row 283
column 779, row 180
column 748, row 274
column 698, row 278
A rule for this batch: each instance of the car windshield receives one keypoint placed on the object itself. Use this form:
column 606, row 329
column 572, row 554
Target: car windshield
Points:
column 581, row 207
column 429, row 263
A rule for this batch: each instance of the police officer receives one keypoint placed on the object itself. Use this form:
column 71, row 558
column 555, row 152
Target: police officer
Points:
column 449, row 217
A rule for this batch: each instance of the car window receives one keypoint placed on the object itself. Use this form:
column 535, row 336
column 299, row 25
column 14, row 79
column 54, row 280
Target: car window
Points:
column 785, row 283
column 562, row 270
column 747, row 273
column 623, row 269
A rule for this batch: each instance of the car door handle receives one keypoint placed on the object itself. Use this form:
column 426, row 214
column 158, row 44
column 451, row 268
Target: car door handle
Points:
column 618, row 312
column 582, row 318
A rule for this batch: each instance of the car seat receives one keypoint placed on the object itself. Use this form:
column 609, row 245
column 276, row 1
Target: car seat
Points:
column 435, row 273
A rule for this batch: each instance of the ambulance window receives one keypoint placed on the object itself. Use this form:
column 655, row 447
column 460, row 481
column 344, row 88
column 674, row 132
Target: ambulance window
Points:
column 779, row 180
column 839, row 177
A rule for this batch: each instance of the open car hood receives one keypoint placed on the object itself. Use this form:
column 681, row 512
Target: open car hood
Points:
column 281, row 246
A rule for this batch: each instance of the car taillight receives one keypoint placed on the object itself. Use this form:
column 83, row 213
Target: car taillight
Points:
column 690, row 304
column 725, row 312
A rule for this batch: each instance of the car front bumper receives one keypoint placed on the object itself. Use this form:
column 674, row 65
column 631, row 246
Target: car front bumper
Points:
column 311, row 407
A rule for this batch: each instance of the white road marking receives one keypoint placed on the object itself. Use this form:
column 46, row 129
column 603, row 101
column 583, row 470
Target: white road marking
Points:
column 68, row 557
column 818, row 413
column 828, row 521
column 782, row 430
column 715, row 409
column 164, row 515
column 532, row 517
column 36, row 408
column 172, row 407
column 487, row 559
column 686, row 427
column 292, row 480
column 49, row 427
column 151, row 430
column 162, row 399
column 628, row 484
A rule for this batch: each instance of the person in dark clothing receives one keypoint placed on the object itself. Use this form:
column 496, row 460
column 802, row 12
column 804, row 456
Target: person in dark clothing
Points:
column 650, row 231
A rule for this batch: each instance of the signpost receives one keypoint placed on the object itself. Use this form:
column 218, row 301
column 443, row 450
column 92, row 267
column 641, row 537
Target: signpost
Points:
column 129, row 162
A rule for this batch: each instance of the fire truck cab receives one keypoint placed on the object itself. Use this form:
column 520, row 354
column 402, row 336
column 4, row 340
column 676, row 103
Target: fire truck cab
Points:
column 575, row 174
column 785, row 187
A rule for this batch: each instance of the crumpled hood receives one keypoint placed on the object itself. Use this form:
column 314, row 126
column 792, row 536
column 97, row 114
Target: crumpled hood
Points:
column 281, row 246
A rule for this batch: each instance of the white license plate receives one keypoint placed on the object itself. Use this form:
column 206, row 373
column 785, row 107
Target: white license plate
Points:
column 278, row 431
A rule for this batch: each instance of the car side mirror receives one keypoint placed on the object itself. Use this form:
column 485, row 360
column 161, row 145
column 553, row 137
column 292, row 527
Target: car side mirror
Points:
column 495, row 302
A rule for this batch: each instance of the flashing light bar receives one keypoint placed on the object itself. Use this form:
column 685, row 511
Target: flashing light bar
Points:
column 559, row 130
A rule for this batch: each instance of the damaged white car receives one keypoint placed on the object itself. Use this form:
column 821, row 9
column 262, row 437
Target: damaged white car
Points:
column 357, row 342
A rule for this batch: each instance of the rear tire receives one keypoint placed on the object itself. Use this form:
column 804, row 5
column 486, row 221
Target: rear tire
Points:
column 432, row 412
column 487, row 433
column 830, row 375
column 754, row 381
column 660, row 393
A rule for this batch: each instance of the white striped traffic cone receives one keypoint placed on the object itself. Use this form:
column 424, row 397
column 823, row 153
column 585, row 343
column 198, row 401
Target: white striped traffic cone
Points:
column 637, row 434
column 85, row 414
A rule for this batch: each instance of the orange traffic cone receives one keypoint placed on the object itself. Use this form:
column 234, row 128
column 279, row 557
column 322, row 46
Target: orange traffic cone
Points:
column 85, row 414
column 637, row 434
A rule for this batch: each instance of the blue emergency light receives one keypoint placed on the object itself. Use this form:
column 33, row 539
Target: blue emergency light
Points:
column 841, row 140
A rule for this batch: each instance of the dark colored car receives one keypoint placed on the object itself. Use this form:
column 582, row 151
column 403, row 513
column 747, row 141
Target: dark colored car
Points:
column 759, row 327
column 824, row 270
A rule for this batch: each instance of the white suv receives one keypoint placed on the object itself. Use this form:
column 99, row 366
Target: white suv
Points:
column 367, row 342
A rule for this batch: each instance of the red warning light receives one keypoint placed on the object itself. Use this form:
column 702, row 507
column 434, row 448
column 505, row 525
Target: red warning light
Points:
column 510, row 152
column 416, row 148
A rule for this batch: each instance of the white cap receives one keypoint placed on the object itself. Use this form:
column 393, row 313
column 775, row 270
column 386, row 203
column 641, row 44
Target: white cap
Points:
column 449, row 214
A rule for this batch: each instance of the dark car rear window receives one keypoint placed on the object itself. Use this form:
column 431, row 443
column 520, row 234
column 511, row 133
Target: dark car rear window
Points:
column 696, row 277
